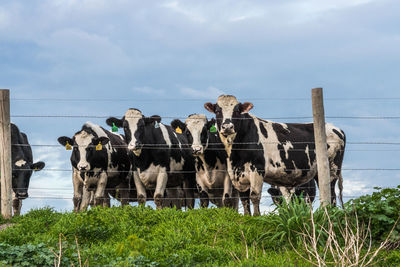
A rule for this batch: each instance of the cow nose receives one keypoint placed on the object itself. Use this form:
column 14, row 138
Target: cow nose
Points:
column 22, row 195
column 228, row 127
column 196, row 150
column 83, row 167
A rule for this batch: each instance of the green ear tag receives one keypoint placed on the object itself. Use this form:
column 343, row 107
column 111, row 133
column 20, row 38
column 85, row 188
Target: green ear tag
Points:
column 68, row 146
column 213, row 129
column 114, row 128
column 99, row 147
column 156, row 125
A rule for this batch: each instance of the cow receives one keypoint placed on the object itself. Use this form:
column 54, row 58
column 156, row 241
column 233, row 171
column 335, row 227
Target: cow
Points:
column 210, row 161
column 22, row 167
column 281, row 154
column 160, row 156
column 307, row 191
column 100, row 161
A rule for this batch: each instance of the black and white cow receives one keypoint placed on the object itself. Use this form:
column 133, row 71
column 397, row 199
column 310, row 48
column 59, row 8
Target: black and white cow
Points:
column 210, row 161
column 22, row 167
column 160, row 157
column 307, row 191
column 96, row 169
column 281, row 154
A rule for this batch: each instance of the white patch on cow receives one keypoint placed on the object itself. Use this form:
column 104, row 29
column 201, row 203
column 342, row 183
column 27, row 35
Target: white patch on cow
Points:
column 227, row 103
column 308, row 155
column 176, row 165
column 20, row 163
column 335, row 142
column 179, row 142
column 132, row 116
column 286, row 146
column 195, row 124
column 83, row 140
column 271, row 151
column 210, row 177
column 165, row 134
column 149, row 176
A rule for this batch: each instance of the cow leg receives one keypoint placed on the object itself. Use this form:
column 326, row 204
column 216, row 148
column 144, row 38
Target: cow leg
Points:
column 16, row 204
column 162, row 179
column 333, row 193
column 287, row 195
column 106, row 199
column 78, row 186
column 235, row 199
column 140, row 189
column 226, row 198
column 85, row 200
column 100, row 189
column 189, row 185
column 204, row 200
column 244, row 198
column 256, row 184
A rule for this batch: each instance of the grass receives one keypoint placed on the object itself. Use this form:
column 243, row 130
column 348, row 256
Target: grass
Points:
column 141, row 236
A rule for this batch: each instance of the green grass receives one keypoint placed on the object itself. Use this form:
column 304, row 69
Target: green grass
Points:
column 141, row 236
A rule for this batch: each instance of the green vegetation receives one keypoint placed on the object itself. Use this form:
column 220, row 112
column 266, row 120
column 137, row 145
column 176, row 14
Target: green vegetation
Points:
column 141, row 236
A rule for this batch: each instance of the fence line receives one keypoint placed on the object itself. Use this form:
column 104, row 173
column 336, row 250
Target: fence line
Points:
column 179, row 117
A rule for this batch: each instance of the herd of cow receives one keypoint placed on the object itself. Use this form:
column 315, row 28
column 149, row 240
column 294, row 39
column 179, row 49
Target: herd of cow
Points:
column 220, row 160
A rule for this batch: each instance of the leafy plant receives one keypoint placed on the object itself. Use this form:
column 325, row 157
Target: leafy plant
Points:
column 382, row 208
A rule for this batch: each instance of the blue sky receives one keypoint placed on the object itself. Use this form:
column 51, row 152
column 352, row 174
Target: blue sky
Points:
column 169, row 57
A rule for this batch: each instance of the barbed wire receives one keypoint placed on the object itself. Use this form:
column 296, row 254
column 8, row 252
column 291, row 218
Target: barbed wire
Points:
column 202, row 99
column 179, row 172
column 185, row 118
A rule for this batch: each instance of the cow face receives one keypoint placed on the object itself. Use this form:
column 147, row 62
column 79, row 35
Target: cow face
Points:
column 196, row 130
column 21, row 175
column 228, row 113
column 84, row 153
column 134, row 124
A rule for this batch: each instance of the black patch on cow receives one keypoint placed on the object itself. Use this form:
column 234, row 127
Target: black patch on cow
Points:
column 263, row 130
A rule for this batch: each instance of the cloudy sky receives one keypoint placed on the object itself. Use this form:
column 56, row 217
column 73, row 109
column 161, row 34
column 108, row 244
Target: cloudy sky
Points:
column 98, row 58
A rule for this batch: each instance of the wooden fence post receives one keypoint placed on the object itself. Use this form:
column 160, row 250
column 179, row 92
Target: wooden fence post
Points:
column 321, row 149
column 5, row 155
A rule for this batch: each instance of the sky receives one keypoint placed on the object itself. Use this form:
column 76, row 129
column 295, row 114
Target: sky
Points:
column 97, row 58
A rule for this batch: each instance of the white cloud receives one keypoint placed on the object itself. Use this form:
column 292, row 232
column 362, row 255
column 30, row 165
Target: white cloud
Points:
column 149, row 90
column 210, row 92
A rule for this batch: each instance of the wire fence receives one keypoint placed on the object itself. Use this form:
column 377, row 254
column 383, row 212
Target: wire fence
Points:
column 373, row 145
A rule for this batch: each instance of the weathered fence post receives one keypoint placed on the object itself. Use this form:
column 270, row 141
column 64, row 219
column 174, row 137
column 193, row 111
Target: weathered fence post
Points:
column 321, row 149
column 5, row 154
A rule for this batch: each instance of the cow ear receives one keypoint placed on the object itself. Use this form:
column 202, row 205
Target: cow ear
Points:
column 112, row 120
column 103, row 140
column 37, row 166
column 210, row 107
column 245, row 107
column 178, row 123
column 64, row 139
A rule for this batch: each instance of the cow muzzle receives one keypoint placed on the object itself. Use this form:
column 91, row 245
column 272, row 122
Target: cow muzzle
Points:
column 197, row 150
column 227, row 129
column 22, row 195
column 83, row 167
column 135, row 148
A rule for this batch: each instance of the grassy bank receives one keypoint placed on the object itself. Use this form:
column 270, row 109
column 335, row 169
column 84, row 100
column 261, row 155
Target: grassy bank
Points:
column 140, row 236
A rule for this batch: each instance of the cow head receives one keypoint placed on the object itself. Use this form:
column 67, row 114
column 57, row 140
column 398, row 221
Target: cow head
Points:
column 84, row 155
column 21, row 175
column 228, row 112
column 196, row 128
column 134, row 124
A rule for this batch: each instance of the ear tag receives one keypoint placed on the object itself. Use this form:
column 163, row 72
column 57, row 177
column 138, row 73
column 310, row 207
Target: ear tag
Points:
column 99, row 147
column 213, row 129
column 156, row 125
column 178, row 130
column 35, row 169
column 68, row 146
column 114, row 128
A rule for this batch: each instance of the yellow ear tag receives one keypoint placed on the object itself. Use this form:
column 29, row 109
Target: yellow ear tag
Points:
column 99, row 147
column 68, row 146
column 178, row 130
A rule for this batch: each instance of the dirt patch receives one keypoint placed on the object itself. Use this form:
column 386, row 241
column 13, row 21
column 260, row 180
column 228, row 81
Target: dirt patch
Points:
column 4, row 226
